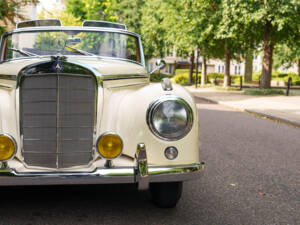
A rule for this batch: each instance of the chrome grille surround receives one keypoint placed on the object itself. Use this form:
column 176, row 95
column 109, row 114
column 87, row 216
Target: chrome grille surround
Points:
column 58, row 115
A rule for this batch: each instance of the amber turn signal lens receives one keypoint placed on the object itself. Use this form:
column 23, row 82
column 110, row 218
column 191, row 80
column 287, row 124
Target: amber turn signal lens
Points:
column 109, row 146
column 7, row 147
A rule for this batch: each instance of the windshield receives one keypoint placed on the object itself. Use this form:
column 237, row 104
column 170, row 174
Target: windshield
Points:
column 99, row 43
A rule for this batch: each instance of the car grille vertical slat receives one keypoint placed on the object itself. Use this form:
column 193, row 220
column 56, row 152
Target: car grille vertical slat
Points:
column 57, row 124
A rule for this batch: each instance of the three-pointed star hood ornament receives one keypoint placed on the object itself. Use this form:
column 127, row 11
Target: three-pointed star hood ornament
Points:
column 57, row 65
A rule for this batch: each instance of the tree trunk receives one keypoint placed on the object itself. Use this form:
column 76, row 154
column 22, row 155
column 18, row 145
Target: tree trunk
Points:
column 227, row 80
column 197, row 69
column 192, row 59
column 298, row 67
column 248, row 67
column 268, row 47
column 204, row 71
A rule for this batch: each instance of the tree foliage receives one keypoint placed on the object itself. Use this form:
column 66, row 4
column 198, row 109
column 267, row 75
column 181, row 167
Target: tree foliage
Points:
column 91, row 9
column 66, row 18
column 154, row 27
column 10, row 11
column 286, row 55
column 129, row 12
column 262, row 22
column 224, row 29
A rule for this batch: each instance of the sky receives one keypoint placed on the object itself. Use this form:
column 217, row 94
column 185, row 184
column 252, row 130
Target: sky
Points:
column 47, row 4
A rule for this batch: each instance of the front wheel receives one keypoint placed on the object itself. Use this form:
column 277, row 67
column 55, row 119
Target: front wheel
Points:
column 166, row 195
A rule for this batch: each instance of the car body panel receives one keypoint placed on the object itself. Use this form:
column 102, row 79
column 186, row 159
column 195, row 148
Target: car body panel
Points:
column 124, row 94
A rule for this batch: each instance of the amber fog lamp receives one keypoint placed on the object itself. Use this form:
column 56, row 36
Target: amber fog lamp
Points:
column 7, row 147
column 109, row 145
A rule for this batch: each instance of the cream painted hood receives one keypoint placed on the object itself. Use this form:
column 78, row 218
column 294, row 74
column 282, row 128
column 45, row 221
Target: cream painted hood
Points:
column 122, row 106
column 104, row 66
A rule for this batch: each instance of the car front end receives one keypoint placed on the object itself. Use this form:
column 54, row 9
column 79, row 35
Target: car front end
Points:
column 80, row 117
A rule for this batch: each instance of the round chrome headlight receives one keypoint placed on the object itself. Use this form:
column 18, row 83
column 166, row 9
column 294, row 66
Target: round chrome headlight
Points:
column 170, row 118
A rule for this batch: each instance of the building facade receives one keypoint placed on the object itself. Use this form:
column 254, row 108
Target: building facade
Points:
column 213, row 65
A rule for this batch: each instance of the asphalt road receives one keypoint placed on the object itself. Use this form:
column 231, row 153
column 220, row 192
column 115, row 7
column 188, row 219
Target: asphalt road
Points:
column 252, row 177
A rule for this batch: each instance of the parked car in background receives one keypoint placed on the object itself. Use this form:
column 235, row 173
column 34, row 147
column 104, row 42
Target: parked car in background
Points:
column 77, row 107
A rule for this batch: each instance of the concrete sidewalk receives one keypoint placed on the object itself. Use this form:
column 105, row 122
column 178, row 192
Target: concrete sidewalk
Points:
column 282, row 108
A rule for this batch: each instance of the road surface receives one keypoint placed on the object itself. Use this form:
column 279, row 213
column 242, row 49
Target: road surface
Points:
column 252, row 177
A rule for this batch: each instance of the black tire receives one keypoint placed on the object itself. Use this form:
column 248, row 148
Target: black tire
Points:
column 166, row 195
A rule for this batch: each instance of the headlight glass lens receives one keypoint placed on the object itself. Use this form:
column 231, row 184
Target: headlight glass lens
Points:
column 7, row 147
column 109, row 146
column 170, row 118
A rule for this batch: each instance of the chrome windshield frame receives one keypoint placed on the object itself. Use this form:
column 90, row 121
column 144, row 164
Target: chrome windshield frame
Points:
column 72, row 28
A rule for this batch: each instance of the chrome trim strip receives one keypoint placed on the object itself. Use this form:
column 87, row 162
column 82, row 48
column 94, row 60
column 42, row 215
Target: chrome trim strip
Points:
column 57, row 117
column 10, row 177
column 8, row 77
column 15, row 144
column 69, row 28
column 123, row 76
column 4, row 86
column 105, row 58
column 175, row 173
column 128, row 85
column 102, row 21
column 142, row 176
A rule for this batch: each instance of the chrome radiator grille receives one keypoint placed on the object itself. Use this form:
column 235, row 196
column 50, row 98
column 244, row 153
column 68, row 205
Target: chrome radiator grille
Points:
column 57, row 120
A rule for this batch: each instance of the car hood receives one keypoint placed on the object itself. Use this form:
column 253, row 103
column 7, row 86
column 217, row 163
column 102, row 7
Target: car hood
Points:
column 104, row 66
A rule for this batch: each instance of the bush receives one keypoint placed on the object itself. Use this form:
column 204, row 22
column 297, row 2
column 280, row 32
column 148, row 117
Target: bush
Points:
column 263, row 92
column 181, row 71
column 280, row 77
column 235, row 79
column 157, row 77
column 212, row 76
column 219, row 76
column 256, row 76
column 295, row 78
column 182, row 77
column 227, row 88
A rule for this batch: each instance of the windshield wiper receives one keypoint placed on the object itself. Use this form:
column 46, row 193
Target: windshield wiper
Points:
column 23, row 52
column 82, row 52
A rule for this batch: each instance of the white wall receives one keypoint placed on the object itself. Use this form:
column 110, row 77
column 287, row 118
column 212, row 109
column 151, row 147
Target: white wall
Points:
column 292, row 69
column 235, row 66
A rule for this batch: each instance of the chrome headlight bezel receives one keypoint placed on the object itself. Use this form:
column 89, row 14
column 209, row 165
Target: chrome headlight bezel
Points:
column 176, row 135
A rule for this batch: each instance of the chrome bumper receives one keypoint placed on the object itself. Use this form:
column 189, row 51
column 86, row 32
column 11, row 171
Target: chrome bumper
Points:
column 142, row 174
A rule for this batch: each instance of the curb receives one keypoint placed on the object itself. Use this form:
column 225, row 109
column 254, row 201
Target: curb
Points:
column 250, row 111
column 271, row 117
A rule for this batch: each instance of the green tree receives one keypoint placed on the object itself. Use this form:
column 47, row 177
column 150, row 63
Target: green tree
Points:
column 269, row 22
column 287, row 54
column 190, row 25
column 237, row 36
column 10, row 11
column 153, row 28
column 129, row 12
column 91, row 9
column 66, row 18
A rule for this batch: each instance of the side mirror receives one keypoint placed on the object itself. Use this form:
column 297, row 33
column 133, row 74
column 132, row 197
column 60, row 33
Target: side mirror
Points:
column 160, row 64
column 73, row 41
